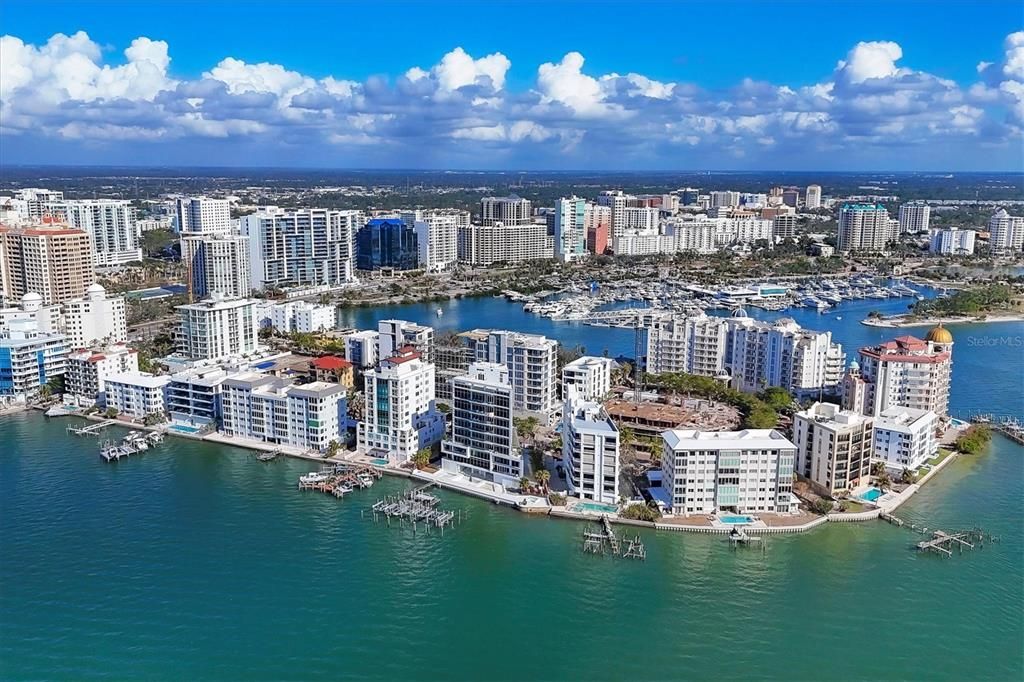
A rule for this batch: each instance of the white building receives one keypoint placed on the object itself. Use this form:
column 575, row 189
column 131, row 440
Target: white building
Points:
column 193, row 396
column 740, row 471
column 1007, row 232
column 361, row 349
column 32, row 203
column 86, row 372
column 393, row 335
column 570, row 230
column 484, row 245
column 864, row 227
column 217, row 262
column 914, row 217
column 617, row 202
column 532, row 362
column 110, row 223
column 29, row 358
column 310, row 246
column 217, row 328
column 952, row 242
column 812, row 198
column 203, row 215
column 726, row 199
column 742, row 231
column 905, row 437
column 590, row 450
column 784, row 226
column 437, row 237
column 46, row 318
column 591, row 376
column 136, row 394
column 95, row 319
column 694, row 345
column 401, row 417
column 639, row 220
column 905, row 372
column 834, row 447
column 507, row 211
column 273, row 410
column 482, row 440
column 302, row 317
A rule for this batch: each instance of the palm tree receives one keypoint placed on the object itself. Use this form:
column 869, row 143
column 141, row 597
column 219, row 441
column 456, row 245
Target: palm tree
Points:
column 332, row 448
column 524, row 484
column 422, row 458
column 543, row 476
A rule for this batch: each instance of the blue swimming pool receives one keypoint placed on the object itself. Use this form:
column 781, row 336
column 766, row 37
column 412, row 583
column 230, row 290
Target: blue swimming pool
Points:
column 736, row 519
column 380, row 461
column 181, row 428
column 871, row 495
column 592, row 507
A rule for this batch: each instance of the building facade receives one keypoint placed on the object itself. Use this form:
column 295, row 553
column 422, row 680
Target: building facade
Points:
column 864, row 227
column 484, row 245
column 29, row 359
column 1006, row 232
column 506, row 211
column 136, row 394
column 51, row 260
column 905, row 372
column 532, row 362
column 86, row 372
column 590, row 450
column 203, row 215
column 95, row 319
column 387, row 243
column 591, row 376
column 952, row 242
column 217, row 328
column 904, row 437
column 311, row 246
column 217, row 262
column 915, row 217
column 833, row 447
column 110, row 223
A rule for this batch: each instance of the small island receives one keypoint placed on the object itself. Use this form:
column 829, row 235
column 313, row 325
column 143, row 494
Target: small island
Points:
column 989, row 303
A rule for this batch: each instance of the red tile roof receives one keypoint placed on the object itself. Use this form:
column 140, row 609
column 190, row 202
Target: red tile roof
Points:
column 331, row 362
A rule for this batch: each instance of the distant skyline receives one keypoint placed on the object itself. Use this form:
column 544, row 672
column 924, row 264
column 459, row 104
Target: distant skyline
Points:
column 515, row 86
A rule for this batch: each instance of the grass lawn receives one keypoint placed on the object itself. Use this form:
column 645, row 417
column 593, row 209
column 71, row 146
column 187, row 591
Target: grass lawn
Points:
column 854, row 507
column 943, row 454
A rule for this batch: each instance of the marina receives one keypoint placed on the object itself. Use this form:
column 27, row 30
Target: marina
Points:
column 135, row 442
column 340, row 479
column 416, row 507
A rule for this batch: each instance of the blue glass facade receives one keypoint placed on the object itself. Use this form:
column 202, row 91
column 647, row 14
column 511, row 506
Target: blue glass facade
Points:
column 386, row 243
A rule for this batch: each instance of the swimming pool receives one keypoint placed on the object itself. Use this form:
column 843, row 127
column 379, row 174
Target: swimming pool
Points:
column 871, row 495
column 380, row 461
column 736, row 519
column 181, row 428
column 595, row 507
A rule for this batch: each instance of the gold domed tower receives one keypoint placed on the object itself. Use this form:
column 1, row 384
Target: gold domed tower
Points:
column 940, row 337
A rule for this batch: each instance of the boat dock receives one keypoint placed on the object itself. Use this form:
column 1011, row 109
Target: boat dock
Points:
column 416, row 506
column 738, row 536
column 264, row 456
column 338, row 479
column 1006, row 425
column 603, row 540
column 943, row 543
column 90, row 430
column 133, row 443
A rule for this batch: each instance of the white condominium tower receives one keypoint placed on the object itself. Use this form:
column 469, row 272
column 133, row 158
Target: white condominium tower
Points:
column 1007, row 232
column 833, row 446
column 905, row 372
column 203, row 215
column 590, row 376
column 95, row 319
column 393, row 335
column 570, row 231
column 952, row 242
column 401, row 417
column 737, row 471
column 914, row 217
column 482, row 441
column 217, row 262
column 482, row 245
column 812, row 199
column 217, row 328
column 864, row 227
column 693, row 345
column 33, row 204
column 297, row 247
column 616, row 201
column 110, row 223
column 532, row 362
column 437, row 237
column 507, row 211
column 590, row 450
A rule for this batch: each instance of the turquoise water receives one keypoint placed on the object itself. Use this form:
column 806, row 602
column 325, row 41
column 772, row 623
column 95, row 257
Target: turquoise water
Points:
column 595, row 507
column 735, row 519
column 380, row 462
column 871, row 495
column 193, row 561
column 182, row 428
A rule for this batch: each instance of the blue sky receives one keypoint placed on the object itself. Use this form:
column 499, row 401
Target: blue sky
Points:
column 730, row 85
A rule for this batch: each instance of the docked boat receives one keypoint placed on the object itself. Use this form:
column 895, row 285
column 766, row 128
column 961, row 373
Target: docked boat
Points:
column 365, row 480
column 315, row 477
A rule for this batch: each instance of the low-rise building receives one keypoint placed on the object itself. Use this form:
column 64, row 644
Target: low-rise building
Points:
column 332, row 369
column 302, row 317
column 739, row 471
column 591, row 376
column 834, row 447
column 136, row 394
column 46, row 318
column 395, row 334
column 361, row 349
column 86, row 373
column 904, row 437
column 590, row 450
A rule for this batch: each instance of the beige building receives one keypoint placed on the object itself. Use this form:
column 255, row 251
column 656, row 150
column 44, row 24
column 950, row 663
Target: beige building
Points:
column 51, row 260
column 833, row 447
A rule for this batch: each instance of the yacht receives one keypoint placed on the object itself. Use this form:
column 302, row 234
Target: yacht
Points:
column 315, row 477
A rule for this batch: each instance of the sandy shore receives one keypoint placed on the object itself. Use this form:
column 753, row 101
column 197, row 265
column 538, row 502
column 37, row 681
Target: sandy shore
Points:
column 902, row 321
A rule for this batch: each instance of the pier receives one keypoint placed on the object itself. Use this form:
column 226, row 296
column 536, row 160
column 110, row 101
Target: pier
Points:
column 603, row 540
column 1006, row 425
column 416, row 506
column 738, row 537
column 90, row 430
column 339, row 479
column 943, row 543
column 133, row 443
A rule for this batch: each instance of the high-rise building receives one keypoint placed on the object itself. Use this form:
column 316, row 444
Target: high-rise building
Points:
column 742, row 471
column 401, row 417
column 904, row 437
column 483, row 245
column 790, row 196
column 217, row 262
column 590, row 376
column 274, row 410
column 111, row 224
column 570, row 232
column 590, row 450
column 482, row 440
column 694, row 345
column 361, row 349
column 905, row 372
column 864, row 227
column 51, row 260
column 532, row 362
column 387, row 243
column 1006, row 232
column 725, row 199
column 689, row 196
column 952, row 242
column 812, row 197
column 597, row 220
column 29, row 359
column 33, row 204
column 784, row 226
column 310, row 246
column 86, row 372
column 203, row 215
column 834, row 447
column 217, row 328
column 508, row 211
column 437, row 238
column 95, row 319
column 914, row 217
column 616, row 201
column 393, row 335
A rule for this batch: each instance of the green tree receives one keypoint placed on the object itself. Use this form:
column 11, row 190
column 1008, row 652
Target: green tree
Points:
column 974, row 440
column 543, row 477
column 524, row 484
column 333, row 447
column 111, row 413
column 822, row 506
column 422, row 458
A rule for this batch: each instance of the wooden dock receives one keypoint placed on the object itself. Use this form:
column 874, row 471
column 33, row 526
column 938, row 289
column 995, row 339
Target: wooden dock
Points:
column 339, row 479
column 943, row 543
column 1006, row 425
column 417, row 507
column 603, row 540
column 90, row 430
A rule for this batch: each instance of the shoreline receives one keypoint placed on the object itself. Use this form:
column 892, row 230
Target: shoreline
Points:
column 531, row 504
column 899, row 321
